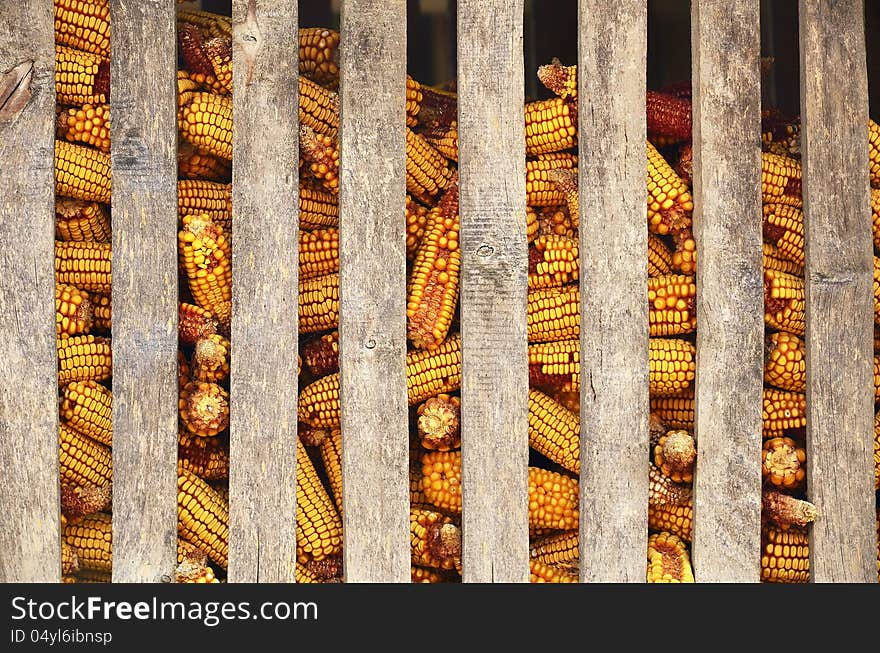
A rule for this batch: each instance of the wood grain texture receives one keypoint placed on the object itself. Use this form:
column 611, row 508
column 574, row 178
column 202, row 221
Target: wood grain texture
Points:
column 263, row 377
column 839, row 282
column 613, row 260
column 143, row 102
column 372, row 289
column 494, row 268
column 30, row 534
column 730, row 289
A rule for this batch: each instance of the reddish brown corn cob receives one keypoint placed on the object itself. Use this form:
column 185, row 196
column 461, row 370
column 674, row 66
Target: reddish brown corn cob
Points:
column 427, row 171
column 202, row 197
column 540, row 190
column 207, row 458
column 81, row 221
column 784, row 227
column 73, row 311
column 202, row 516
column 194, row 323
column 206, row 256
column 84, row 358
column 659, row 257
column 783, row 410
column 783, row 463
column 780, row 179
column 88, row 124
column 321, row 154
column 772, row 261
column 81, row 77
column 319, row 303
column 86, row 406
column 318, row 208
column 83, row 461
column 210, row 360
column 671, row 305
column 785, row 557
column 439, row 423
column 204, row 408
column 78, row 501
column 319, row 55
column 557, row 548
column 327, row 570
column 321, row 355
column 92, row 540
column 668, row 559
column 184, row 373
column 331, row 456
column 82, row 172
column 102, row 313
column 199, row 66
column 426, row 575
column 84, row 25
column 194, row 164
column 84, row 265
column 553, row 262
column 69, row 559
column 785, row 361
column 874, row 153
column 318, row 107
column 206, row 122
column 551, row 126
column 554, row 431
column 303, row 574
column 218, row 51
column 670, row 204
column 677, row 411
column 784, row 510
column 675, row 454
column 668, row 116
column 318, row 253
column 318, row 524
column 561, row 80
column 543, row 573
column 432, row 291
column 435, row 540
column 784, row 302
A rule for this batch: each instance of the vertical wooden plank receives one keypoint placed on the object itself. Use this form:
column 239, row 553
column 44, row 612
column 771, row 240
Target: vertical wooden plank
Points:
column 29, row 536
column 372, row 291
column 263, row 379
column 143, row 103
column 613, row 260
column 839, row 282
column 730, row 289
column 494, row 292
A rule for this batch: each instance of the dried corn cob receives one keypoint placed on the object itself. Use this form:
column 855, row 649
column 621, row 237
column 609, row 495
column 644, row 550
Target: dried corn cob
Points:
column 427, row 171
column 319, row 55
column 772, row 261
column 783, row 410
column 321, row 154
column 88, row 124
column 194, row 323
column 553, row 314
column 331, row 455
column 874, row 153
column 785, row 557
column 543, row 573
column 194, row 569
column 184, row 373
column 554, row 431
column 86, row 406
column 443, row 137
column 439, row 423
column 318, row 107
column 218, row 51
column 551, row 126
column 659, row 257
column 558, row 548
column 671, row 305
column 84, row 25
column 210, row 360
column 663, row 491
column 82, row 172
column 319, row 303
column 202, row 516
column 566, row 183
column 784, row 227
column 78, row 501
column 321, row 355
column 675, row 454
column 416, row 222
column 187, row 87
column 207, row 458
column 303, row 574
column 81, row 77
column 784, row 302
column 676, row 411
column 318, row 208
column 73, row 311
column 196, row 165
column 555, row 220
column 685, row 166
column 202, row 197
column 676, row 519
column 318, row 524
column 413, row 101
column 784, row 510
column 555, row 366
column 81, row 221
column 785, row 364
column 435, row 539
column 204, row 408
column 668, row 116
column 670, row 204
column 875, row 215
column 205, row 254
column 69, row 559
column 783, row 463
column 668, row 559
column 318, row 253
column 540, row 190
column 780, row 179
column 561, row 80
column 877, row 451
column 206, row 122
column 84, row 358
column 426, row 575
column 684, row 258
column 553, row 262
column 209, row 24
column 877, row 290
column 83, row 461
column 326, row 570
column 92, row 540
column 84, row 265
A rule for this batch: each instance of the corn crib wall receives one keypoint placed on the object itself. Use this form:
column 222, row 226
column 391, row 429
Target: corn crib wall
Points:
column 614, row 348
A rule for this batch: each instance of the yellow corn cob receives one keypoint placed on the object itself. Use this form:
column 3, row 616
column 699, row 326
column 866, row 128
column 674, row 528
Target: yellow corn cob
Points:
column 84, row 358
column 83, row 461
column 566, row 183
column 86, row 406
column 318, row 208
column 670, row 205
column 555, row 220
column 673, row 518
column 675, row 454
column 439, row 423
column 81, row 221
column 194, row 323
column 427, row 171
column 772, row 261
column 319, row 303
column 428, row 373
column 321, row 154
column 785, row 364
column 416, row 222
column 783, row 410
column 206, row 122
column 784, row 302
column 73, row 311
column 319, row 55
column 780, row 179
column 416, row 493
column 207, row 458
column 69, row 559
column 194, row 569
column 659, row 257
column 81, row 77
column 676, row 411
column 85, row 265
column 783, row 463
column 785, row 555
column 784, row 510
column 78, row 501
column 540, row 190
column 875, row 215
column 426, row 575
column 784, row 227
column 84, row 25
column 561, row 80
column 443, row 137
column 557, row 548
column 202, row 516
column 204, row 408
column 195, row 165
column 435, row 539
column 874, row 152
column 88, row 124
column 544, row 573
column 553, row 262
column 671, row 305
column 668, row 559
column 413, row 101
column 318, row 524
column 91, row 538
column 200, row 197
column 303, row 574
column 210, row 360
column 877, row 451
column 209, row 24
column 553, row 497
column 553, row 314
column 877, row 290
column 318, row 107
column 432, row 291
column 554, row 431
column 331, row 455
column 206, row 256
column 318, row 253
column 684, row 258
column 218, row 51
column 321, row 355
column 82, row 172
column 551, row 126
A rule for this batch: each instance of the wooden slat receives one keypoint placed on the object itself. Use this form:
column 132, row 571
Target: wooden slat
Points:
column 143, row 103
column 614, row 288
column 730, row 318
column 372, row 279
column 839, row 278
column 29, row 536
column 494, row 406
column 263, row 379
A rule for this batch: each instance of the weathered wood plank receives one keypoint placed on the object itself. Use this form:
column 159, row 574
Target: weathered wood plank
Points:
column 372, row 289
column 263, row 377
column 143, row 103
column 730, row 287
column 613, row 262
column 29, row 536
column 839, row 281
column 494, row 268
